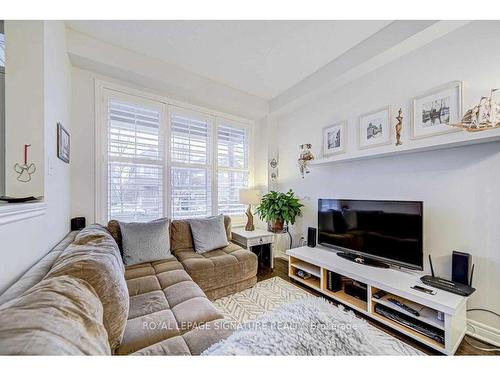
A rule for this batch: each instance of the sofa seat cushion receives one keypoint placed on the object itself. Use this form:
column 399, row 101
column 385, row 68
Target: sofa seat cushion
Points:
column 165, row 304
column 94, row 257
column 219, row 268
column 58, row 316
column 193, row 342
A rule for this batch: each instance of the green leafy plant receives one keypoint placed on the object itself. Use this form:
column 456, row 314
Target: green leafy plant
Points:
column 279, row 208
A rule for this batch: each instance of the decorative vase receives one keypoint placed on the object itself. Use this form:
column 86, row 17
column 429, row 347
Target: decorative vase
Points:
column 277, row 225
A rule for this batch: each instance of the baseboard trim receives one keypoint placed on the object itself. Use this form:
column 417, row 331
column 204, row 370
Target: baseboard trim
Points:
column 483, row 332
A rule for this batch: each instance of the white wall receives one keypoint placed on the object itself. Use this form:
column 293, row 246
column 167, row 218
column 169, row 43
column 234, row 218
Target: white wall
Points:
column 2, row 133
column 39, row 108
column 83, row 148
column 459, row 186
column 24, row 104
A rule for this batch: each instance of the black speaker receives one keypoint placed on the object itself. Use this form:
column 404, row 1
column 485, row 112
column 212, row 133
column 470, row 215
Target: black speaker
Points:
column 460, row 266
column 311, row 237
column 77, row 223
column 333, row 281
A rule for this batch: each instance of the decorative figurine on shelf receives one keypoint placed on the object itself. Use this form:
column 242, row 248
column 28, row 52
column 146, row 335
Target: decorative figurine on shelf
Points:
column 305, row 156
column 399, row 127
column 484, row 116
column 25, row 170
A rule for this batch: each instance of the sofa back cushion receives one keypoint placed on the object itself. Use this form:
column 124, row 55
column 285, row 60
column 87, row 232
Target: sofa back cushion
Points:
column 95, row 258
column 181, row 237
column 180, row 233
column 115, row 231
column 58, row 316
column 38, row 271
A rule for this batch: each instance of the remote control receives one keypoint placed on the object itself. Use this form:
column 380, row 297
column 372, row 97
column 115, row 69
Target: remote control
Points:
column 379, row 294
column 425, row 290
column 403, row 306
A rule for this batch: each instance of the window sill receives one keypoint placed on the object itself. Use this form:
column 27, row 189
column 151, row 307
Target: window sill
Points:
column 11, row 212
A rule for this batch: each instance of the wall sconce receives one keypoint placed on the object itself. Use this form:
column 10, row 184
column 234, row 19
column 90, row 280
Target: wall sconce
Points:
column 305, row 156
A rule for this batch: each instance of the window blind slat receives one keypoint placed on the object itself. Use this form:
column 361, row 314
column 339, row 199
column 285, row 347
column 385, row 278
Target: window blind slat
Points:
column 191, row 192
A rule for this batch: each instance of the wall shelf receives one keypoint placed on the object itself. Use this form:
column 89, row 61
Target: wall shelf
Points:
column 456, row 139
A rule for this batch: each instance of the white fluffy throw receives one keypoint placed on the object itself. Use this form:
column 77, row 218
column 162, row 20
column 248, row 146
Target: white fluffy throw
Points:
column 310, row 326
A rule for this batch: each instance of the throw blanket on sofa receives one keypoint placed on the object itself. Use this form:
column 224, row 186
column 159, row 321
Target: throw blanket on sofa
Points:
column 309, row 326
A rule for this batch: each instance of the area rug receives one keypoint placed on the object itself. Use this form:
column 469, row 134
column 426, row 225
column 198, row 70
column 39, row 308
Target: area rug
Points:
column 269, row 295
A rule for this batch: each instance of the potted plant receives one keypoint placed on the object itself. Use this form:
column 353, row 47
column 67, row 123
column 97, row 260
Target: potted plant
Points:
column 279, row 208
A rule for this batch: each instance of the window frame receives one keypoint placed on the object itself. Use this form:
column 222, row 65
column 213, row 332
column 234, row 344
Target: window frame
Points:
column 102, row 90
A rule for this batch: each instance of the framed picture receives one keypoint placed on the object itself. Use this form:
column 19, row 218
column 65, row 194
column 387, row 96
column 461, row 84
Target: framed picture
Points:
column 62, row 143
column 334, row 138
column 375, row 128
column 433, row 111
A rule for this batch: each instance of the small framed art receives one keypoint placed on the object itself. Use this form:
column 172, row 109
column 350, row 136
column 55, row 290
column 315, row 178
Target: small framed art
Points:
column 63, row 143
column 375, row 128
column 335, row 138
column 435, row 110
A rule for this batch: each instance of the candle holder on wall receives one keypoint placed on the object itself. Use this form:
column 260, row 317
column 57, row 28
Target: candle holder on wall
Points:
column 25, row 170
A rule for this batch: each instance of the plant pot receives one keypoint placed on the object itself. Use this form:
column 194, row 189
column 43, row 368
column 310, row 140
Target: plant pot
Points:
column 277, row 226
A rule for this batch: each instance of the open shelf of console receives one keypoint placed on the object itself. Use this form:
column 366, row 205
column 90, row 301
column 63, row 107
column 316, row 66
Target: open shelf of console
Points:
column 427, row 315
column 397, row 284
column 312, row 282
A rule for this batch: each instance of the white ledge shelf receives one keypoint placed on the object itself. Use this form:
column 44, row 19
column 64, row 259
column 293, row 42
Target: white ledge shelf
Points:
column 11, row 212
column 412, row 146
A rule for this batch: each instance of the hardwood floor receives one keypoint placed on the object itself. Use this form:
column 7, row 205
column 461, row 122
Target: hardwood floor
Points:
column 281, row 270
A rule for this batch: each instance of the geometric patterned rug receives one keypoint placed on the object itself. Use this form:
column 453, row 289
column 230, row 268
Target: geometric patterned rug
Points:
column 268, row 295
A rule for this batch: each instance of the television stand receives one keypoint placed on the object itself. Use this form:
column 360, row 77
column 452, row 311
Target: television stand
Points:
column 443, row 314
column 360, row 260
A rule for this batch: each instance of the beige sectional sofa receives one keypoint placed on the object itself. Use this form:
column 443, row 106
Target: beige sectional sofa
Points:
column 219, row 272
column 158, row 308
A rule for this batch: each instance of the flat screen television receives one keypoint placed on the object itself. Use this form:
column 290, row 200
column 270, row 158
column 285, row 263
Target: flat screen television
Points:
column 385, row 231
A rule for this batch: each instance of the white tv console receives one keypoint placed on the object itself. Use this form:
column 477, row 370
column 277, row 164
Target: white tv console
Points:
column 318, row 260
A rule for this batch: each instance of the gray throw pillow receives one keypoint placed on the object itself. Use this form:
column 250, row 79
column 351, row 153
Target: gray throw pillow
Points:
column 208, row 233
column 145, row 242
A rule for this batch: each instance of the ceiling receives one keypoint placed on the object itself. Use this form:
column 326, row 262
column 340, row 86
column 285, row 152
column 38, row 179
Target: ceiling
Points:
column 263, row 58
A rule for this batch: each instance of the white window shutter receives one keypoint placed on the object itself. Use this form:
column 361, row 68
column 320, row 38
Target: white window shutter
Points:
column 191, row 171
column 135, row 162
column 233, row 169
